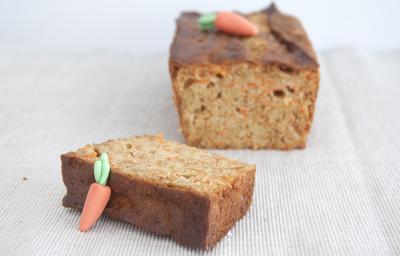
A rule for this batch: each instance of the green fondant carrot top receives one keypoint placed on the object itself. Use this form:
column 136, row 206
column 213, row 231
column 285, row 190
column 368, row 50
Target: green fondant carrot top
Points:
column 102, row 169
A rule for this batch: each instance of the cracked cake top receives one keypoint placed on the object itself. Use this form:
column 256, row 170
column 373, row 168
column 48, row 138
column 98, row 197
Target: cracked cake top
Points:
column 281, row 40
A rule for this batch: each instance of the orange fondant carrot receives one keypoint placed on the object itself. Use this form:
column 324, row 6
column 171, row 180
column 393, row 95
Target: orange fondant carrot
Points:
column 98, row 195
column 96, row 200
column 228, row 22
column 235, row 24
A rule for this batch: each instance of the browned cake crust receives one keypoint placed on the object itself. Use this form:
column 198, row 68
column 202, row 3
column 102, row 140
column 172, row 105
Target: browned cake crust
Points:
column 285, row 43
column 193, row 219
column 245, row 92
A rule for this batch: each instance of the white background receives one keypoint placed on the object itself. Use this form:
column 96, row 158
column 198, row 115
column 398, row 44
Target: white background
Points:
column 147, row 27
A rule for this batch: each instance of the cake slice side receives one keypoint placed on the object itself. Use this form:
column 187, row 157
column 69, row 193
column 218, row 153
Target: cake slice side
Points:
column 187, row 215
column 229, row 205
column 245, row 105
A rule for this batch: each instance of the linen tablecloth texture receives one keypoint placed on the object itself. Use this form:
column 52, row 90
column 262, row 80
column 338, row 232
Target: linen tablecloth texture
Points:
column 339, row 196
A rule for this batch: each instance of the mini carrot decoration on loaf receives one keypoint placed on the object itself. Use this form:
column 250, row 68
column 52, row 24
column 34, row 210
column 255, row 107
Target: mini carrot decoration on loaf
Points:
column 98, row 195
column 228, row 22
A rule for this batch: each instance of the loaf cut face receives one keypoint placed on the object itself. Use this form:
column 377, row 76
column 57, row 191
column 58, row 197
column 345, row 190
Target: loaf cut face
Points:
column 164, row 187
column 245, row 92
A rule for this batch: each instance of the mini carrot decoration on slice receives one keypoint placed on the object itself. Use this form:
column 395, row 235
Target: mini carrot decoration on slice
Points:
column 98, row 195
column 228, row 22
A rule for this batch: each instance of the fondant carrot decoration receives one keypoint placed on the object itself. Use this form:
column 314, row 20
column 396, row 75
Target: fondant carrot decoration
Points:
column 98, row 195
column 228, row 22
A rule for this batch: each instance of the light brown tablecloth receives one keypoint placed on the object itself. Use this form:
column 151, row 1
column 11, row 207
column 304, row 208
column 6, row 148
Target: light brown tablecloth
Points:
column 340, row 196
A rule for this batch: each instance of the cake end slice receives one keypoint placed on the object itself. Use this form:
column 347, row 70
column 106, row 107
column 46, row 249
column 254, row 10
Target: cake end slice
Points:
column 166, row 188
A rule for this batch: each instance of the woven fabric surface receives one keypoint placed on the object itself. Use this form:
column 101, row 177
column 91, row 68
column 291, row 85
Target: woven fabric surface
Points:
column 339, row 196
